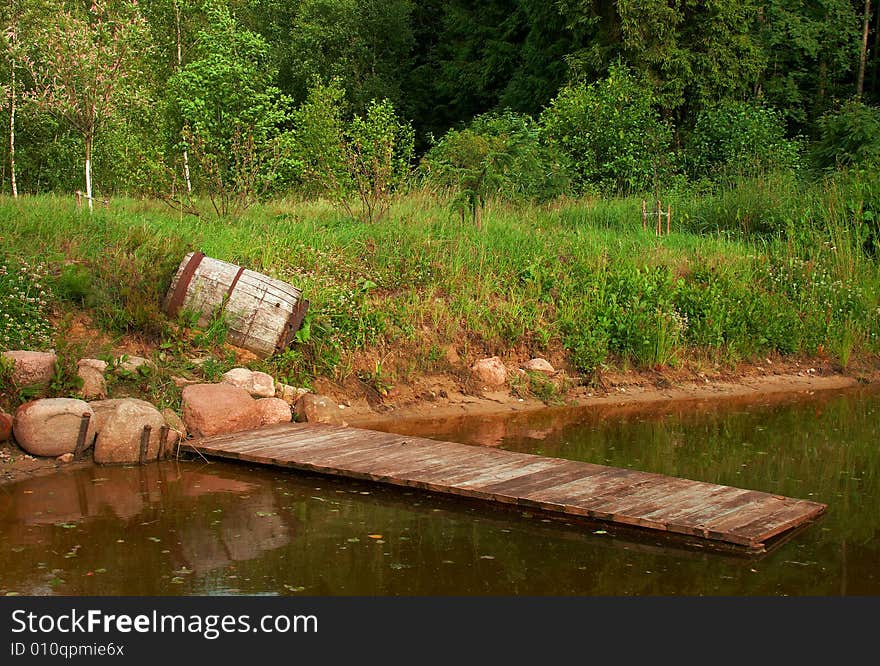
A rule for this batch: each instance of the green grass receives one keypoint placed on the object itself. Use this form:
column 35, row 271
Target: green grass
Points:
column 578, row 276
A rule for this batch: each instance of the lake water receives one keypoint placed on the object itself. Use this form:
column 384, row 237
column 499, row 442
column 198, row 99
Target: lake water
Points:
column 193, row 528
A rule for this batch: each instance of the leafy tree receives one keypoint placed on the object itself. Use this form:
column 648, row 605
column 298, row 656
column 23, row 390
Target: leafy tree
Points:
column 367, row 158
column 811, row 48
column 690, row 52
column 611, row 132
column 365, row 44
column 316, row 142
column 174, row 25
column 10, row 45
column 84, row 64
column 231, row 112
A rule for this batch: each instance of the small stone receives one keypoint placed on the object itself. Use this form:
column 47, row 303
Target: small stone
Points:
column 181, row 382
column 490, row 371
column 31, row 368
column 539, row 365
column 65, row 458
column 258, row 384
column 289, row 394
column 134, row 364
column 317, row 409
column 273, row 410
column 50, row 427
column 91, row 371
column 263, row 385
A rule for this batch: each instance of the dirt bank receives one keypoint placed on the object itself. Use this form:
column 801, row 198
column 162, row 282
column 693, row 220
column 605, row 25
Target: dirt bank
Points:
column 438, row 397
column 438, row 403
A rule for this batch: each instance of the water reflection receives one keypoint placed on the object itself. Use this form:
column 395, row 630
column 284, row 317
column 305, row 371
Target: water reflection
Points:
column 194, row 528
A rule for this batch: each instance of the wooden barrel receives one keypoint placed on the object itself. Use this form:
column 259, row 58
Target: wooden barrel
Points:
column 262, row 314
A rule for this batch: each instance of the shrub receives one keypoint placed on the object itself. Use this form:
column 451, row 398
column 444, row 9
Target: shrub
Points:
column 848, row 136
column 496, row 156
column 739, row 138
column 611, row 132
column 367, row 158
column 378, row 151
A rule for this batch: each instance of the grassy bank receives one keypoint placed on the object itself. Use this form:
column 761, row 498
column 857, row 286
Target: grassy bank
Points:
column 769, row 267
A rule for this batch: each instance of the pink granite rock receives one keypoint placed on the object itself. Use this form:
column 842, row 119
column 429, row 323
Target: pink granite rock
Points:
column 91, row 371
column 317, row 409
column 490, row 371
column 539, row 365
column 31, row 368
column 212, row 409
column 5, row 426
column 119, row 440
column 273, row 410
column 50, row 427
column 258, row 384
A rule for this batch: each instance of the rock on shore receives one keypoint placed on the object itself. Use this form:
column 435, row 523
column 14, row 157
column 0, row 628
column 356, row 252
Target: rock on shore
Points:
column 212, row 409
column 50, row 426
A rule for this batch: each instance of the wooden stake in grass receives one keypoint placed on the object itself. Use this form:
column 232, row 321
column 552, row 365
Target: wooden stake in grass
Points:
column 668, row 217
column 644, row 215
column 659, row 216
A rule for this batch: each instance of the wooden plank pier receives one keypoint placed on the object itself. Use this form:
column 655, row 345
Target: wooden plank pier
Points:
column 744, row 518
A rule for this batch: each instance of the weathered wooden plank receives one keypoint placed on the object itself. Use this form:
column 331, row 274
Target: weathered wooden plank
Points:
column 766, row 527
column 561, row 472
column 715, row 512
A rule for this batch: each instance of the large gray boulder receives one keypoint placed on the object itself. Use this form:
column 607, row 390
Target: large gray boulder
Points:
column 119, row 439
column 213, row 409
column 50, row 426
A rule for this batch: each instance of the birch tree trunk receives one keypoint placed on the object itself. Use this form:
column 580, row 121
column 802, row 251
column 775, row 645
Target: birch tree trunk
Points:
column 179, row 67
column 88, row 140
column 12, row 94
column 863, row 56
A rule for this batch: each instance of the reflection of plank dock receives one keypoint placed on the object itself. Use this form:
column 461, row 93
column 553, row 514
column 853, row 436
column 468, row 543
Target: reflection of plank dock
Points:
column 744, row 518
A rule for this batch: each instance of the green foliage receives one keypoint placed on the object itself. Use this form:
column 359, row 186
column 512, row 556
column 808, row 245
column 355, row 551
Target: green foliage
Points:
column 25, row 299
column 848, row 136
column 364, row 44
column 497, row 156
column 316, row 141
column 367, row 158
column 811, row 53
column 230, row 111
column 378, row 151
column 611, row 132
column 739, row 139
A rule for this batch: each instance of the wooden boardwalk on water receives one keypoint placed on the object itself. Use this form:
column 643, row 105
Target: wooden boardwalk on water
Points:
column 744, row 518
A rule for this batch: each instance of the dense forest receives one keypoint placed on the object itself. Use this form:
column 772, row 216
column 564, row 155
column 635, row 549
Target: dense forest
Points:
column 242, row 99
